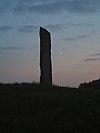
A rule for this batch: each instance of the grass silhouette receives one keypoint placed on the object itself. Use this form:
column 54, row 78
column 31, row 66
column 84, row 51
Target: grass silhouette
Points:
column 31, row 108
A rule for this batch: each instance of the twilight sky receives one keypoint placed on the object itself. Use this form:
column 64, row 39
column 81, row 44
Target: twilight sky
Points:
column 75, row 31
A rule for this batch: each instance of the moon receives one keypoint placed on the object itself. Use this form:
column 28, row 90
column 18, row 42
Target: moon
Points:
column 61, row 52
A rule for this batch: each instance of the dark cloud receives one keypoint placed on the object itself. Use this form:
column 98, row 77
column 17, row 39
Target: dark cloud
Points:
column 9, row 48
column 87, row 24
column 96, row 54
column 82, row 37
column 74, row 6
column 27, row 29
column 92, row 59
column 5, row 28
column 60, row 26
column 76, row 38
column 50, row 6
column 23, row 6
column 79, row 24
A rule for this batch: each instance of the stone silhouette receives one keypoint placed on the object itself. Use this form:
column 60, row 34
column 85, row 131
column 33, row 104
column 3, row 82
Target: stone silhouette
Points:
column 45, row 57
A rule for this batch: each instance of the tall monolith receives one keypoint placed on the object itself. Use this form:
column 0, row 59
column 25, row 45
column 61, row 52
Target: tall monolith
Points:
column 45, row 57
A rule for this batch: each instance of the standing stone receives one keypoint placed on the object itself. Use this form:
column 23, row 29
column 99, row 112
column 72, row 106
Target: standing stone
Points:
column 45, row 57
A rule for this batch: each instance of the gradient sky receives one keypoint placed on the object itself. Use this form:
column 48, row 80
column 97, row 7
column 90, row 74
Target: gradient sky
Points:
column 75, row 31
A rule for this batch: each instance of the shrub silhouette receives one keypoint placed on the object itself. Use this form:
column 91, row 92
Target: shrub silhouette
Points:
column 93, row 84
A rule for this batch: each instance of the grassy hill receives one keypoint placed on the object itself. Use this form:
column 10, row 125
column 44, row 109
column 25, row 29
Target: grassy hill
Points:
column 28, row 108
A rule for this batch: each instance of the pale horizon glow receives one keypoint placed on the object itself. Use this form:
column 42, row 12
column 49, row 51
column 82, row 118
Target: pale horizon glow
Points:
column 75, row 32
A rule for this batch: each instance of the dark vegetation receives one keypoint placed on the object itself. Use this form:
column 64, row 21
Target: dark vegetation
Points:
column 95, row 84
column 31, row 108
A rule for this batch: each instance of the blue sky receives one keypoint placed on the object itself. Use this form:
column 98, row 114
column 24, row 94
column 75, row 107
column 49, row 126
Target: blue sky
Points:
column 75, row 32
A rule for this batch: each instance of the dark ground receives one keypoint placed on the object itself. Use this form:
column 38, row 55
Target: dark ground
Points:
column 27, row 108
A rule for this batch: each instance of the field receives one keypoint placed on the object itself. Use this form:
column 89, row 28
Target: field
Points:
column 30, row 108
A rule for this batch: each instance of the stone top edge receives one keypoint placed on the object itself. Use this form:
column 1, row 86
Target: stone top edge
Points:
column 43, row 29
